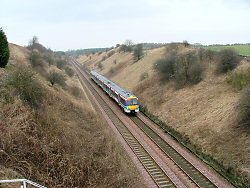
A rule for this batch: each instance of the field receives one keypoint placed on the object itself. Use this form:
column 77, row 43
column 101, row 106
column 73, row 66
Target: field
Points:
column 242, row 49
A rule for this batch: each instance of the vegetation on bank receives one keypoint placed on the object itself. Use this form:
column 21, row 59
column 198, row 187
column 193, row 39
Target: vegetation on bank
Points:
column 50, row 134
column 244, row 108
column 239, row 79
column 231, row 174
column 223, row 64
column 138, row 52
column 187, row 68
column 184, row 69
column 227, row 60
column 21, row 82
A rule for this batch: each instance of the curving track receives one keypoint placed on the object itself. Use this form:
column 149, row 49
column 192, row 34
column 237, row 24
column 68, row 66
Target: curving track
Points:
column 153, row 169
column 184, row 166
column 185, row 170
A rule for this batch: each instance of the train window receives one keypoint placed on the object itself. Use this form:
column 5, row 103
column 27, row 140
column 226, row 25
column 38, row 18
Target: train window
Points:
column 123, row 101
column 132, row 102
column 112, row 93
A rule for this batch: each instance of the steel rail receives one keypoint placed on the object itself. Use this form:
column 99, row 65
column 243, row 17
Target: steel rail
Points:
column 154, row 170
column 185, row 166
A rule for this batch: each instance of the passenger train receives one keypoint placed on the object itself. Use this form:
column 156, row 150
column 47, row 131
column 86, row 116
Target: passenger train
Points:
column 128, row 102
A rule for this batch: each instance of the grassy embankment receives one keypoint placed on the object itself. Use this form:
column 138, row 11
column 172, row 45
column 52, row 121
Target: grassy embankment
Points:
column 49, row 133
column 201, row 110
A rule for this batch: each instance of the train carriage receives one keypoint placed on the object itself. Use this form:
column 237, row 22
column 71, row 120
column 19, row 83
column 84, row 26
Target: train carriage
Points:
column 128, row 102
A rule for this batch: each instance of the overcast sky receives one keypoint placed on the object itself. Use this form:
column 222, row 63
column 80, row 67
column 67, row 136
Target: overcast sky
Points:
column 74, row 24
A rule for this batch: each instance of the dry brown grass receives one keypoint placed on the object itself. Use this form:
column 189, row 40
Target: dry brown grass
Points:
column 64, row 143
column 116, row 69
column 150, row 88
column 18, row 54
column 206, row 113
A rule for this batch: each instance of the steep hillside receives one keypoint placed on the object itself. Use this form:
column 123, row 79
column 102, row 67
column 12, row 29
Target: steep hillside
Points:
column 49, row 131
column 18, row 54
column 205, row 113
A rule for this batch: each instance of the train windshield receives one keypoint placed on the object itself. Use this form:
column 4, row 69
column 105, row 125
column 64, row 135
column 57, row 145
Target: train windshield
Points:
column 132, row 102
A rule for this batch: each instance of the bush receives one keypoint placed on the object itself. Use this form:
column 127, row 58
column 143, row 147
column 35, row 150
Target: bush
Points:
column 187, row 70
column 69, row 71
column 75, row 91
column 50, row 60
column 201, row 54
column 138, row 52
column 56, row 78
column 166, row 67
column 239, row 80
column 195, row 73
column 4, row 49
column 185, row 43
column 244, row 116
column 22, row 83
column 36, row 59
column 183, row 69
column 210, row 55
column 100, row 66
column 227, row 60
column 60, row 64
column 125, row 48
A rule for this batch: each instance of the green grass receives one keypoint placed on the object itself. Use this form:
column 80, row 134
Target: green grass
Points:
column 242, row 49
column 239, row 80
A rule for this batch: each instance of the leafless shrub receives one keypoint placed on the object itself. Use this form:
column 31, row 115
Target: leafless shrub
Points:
column 75, row 91
column 183, row 69
column 56, row 78
column 187, row 70
column 61, row 63
column 185, row 43
column 227, row 60
column 21, row 82
column 69, row 71
column 100, row 66
column 36, row 59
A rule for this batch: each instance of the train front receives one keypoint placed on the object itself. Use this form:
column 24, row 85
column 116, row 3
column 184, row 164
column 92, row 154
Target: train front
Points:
column 132, row 104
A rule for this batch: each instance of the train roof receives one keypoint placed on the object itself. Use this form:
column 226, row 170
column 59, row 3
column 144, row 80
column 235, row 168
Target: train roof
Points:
column 117, row 88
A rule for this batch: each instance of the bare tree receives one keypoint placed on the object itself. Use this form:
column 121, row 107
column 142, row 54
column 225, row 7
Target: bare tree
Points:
column 138, row 52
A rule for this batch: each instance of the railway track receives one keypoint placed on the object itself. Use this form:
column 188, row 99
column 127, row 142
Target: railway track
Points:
column 154, row 170
column 186, row 169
